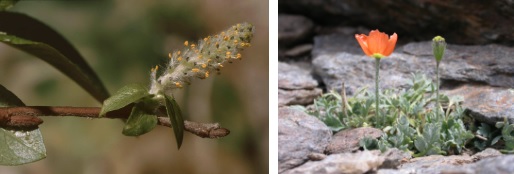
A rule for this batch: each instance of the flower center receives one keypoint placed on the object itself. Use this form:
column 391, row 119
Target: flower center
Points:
column 377, row 55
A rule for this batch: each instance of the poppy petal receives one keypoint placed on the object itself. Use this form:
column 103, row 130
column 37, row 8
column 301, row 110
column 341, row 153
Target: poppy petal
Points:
column 374, row 41
column 363, row 42
column 391, row 43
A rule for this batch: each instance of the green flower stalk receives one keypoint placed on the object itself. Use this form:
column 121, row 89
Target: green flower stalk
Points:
column 438, row 46
column 201, row 59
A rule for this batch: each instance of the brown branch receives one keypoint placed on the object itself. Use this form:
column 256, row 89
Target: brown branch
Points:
column 27, row 117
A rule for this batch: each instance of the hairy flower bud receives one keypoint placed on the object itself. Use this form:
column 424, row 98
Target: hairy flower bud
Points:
column 439, row 46
column 202, row 58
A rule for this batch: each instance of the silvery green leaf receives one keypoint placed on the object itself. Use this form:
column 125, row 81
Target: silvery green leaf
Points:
column 18, row 146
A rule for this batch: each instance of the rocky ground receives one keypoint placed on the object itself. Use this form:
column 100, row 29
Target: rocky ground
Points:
column 314, row 58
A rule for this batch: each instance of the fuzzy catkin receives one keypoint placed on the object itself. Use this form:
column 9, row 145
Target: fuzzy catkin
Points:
column 202, row 59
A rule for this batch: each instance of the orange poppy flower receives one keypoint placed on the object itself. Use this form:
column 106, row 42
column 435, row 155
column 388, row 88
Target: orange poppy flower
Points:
column 377, row 44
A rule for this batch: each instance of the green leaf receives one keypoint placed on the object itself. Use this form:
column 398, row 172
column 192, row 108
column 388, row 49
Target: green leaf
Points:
column 32, row 36
column 123, row 97
column 177, row 122
column 21, row 147
column 18, row 146
column 6, row 4
column 333, row 123
column 495, row 140
column 139, row 121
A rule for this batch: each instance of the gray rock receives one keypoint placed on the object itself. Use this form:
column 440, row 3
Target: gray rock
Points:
column 335, row 43
column 293, row 29
column 461, row 21
column 299, row 50
column 394, row 171
column 297, row 97
column 497, row 165
column 487, row 153
column 348, row 163
column 348, row 140
column 490, row 64
column 394, row 158
column 316, row 156
column 294, row 77
column 486, row 104
column 437, row 164
column 358, row 71
column 299, row 135
column 296, row 85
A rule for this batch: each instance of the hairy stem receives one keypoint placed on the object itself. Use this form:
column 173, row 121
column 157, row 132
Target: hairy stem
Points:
column 27, row 117
column 377, row 67
column 437, row 89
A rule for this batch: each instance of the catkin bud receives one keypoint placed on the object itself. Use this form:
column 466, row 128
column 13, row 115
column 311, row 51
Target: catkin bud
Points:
column 439, row 46
column 198, row 59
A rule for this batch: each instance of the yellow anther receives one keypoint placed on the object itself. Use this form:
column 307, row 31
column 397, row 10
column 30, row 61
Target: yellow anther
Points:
column 178, row 52
column 179, row 58
column 193, row 46
column 204, row 65
column 225, row 38
column 186, row 43
column 235, row 41
column 220, row 65
column 206, row 74
column 200, row 56
column 195, row 70
column 177, row 84
column 209, row 60
column 222, row 33
column 205, row 39
column 238, row 25
column 228, row 54
column 169, row 55
column 238, row 56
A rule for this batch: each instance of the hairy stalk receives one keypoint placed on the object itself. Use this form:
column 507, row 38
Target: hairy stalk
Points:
column 377, row 67
column 437, row 89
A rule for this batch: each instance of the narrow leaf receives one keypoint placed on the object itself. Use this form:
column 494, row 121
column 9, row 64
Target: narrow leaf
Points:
column 139, row 121
column 123, row 97
column 177, row 122
column 19, row 146
column 7, row 98
column 32, row 36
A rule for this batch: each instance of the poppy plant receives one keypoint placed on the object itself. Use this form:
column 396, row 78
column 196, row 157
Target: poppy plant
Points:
column 377, row 45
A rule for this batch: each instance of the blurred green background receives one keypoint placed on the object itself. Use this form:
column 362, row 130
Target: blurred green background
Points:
column 122, row 40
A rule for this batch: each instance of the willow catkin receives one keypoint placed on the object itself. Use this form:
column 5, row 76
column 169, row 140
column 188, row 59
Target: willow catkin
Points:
column 201, row 59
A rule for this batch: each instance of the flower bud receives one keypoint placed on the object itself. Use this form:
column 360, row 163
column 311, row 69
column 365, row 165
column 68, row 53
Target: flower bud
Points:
column 438, row 45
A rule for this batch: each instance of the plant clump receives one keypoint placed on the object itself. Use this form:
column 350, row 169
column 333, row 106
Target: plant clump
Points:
column 411, row 123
